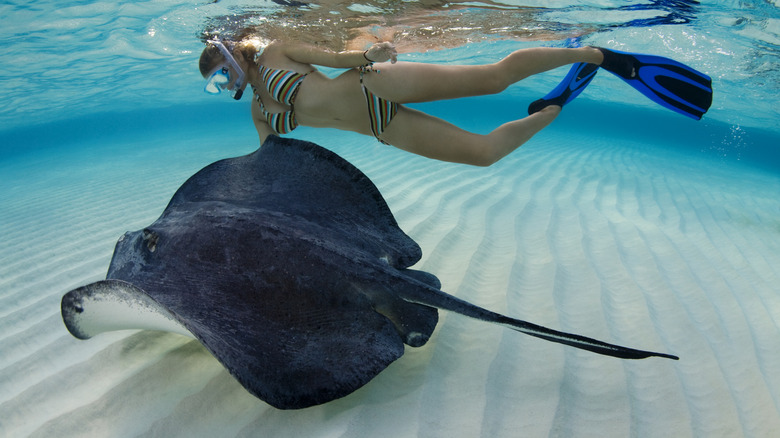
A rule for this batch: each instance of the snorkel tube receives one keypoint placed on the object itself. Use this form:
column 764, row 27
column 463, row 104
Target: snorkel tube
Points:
column 237, row 91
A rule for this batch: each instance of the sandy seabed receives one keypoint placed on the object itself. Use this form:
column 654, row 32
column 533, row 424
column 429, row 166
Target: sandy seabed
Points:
column 640, row 246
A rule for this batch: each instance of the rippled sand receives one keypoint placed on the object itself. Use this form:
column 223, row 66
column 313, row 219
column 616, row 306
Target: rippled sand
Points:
column 611, row 239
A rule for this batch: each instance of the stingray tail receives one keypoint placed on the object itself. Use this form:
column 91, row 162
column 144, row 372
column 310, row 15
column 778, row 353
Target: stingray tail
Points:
column 436, row 298
column 578, row 341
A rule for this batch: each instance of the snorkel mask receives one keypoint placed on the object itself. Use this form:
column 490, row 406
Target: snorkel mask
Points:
column 220, row 77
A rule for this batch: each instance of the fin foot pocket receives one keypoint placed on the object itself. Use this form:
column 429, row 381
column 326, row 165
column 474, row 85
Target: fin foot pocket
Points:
column 619, row 64
column 578, row 77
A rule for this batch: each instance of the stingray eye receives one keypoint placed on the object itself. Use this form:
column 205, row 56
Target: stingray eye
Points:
column 150, row 239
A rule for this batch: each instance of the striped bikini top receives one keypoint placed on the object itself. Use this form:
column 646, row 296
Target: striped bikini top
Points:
column 283, row 86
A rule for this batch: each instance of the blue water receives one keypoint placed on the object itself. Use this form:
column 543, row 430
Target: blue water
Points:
column 622, row 219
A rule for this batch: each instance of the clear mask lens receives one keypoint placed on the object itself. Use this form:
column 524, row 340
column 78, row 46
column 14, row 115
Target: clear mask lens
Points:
column 217, row 81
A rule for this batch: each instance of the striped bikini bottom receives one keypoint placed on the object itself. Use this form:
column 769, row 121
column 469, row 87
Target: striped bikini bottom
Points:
column 380, row 111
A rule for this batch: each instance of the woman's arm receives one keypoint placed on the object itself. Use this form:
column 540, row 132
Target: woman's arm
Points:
column 379, row 52
column 261, row 124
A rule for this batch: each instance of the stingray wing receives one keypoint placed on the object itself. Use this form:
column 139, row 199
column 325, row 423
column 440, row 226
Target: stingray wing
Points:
column 290, row 359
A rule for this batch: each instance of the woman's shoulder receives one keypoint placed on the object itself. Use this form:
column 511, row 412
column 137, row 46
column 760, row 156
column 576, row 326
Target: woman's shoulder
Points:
column 277, row 47
column 276, row 51
column 289, row 56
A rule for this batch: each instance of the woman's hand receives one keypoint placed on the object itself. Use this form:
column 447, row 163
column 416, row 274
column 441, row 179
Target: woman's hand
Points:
column 382, row 52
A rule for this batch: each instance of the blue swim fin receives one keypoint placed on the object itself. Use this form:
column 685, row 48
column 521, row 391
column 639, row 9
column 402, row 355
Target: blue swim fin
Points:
column 665, row 81
column 572, row 85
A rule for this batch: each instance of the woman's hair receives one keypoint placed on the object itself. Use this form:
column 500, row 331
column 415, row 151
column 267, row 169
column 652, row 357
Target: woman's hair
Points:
column 210, row 57
column 247, row 48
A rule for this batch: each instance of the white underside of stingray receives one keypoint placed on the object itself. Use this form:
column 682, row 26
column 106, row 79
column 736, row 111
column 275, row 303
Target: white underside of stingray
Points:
column 113, row 305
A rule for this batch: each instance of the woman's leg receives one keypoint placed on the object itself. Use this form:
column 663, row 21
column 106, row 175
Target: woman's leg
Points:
column 431, row 137
column 410, row 82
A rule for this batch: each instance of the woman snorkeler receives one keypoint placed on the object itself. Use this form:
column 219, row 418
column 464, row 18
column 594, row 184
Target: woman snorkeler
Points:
column 368, row 99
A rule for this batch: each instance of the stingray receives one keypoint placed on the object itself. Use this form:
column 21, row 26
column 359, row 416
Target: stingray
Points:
column 289, row 267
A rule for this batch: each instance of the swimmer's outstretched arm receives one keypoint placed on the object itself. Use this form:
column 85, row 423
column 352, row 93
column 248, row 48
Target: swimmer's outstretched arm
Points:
column 379, row 52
